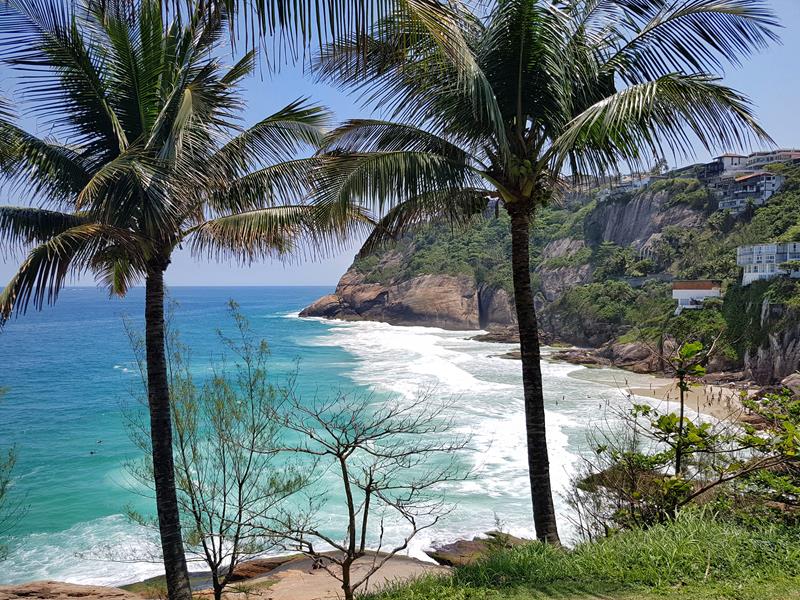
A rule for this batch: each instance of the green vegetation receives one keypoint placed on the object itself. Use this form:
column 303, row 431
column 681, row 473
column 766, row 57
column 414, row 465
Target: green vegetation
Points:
column 686, row 191
column 480, row 250
column 696, row 556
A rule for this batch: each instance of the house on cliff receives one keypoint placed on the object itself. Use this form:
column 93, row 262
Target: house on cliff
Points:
column 755, row 188
column 692, row 294
column 766, row 261
column 738, row 180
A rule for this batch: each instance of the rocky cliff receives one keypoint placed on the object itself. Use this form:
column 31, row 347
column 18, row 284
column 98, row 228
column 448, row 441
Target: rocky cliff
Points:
column 446, row 301
column 601, row 269
column 638, row 220
column 778, row 354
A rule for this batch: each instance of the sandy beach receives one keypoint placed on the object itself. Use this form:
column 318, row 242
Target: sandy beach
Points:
column 718, row 401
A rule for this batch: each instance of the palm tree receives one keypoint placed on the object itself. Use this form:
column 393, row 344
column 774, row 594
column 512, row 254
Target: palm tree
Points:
column 571, row 86
column 149, row 156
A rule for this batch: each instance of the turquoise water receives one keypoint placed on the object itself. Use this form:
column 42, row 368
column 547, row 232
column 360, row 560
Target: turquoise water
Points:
column 69, row 371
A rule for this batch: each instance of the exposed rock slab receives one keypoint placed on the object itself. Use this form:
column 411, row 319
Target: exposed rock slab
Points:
column 464, row 552
column 56, row 590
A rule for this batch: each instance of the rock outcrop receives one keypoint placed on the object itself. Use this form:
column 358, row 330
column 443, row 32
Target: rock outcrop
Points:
column 464, row 552
column 637, row 221
column 556, row 280
column 775, row 360
column 56, row 590
column 446, row 301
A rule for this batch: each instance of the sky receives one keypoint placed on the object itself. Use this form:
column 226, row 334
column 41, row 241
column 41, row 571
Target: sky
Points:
column 770, row 79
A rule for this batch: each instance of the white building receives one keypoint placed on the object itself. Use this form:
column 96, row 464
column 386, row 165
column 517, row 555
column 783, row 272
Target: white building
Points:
column 692, row 294
column 763, row 261
column 759, row 160
column 755, row 188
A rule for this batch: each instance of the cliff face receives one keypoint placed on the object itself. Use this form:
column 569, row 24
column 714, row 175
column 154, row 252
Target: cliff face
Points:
column 446, row 301
column 556, row 280
column 779, row 356
column 638, row 221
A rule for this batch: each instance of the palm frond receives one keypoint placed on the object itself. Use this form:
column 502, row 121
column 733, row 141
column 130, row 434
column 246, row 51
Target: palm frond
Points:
column 296, row 127
column 278, row 184
column 457, row 208
column 381, row 179
column 370, row 135
column 43, row 273
column 22, row 226
column 404, row 75
column 692, row 36
column 668, row 113
column 64, row 71
column 42, row 168
column 275, row 232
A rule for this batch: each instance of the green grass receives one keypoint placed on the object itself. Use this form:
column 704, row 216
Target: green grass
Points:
column 697, row 557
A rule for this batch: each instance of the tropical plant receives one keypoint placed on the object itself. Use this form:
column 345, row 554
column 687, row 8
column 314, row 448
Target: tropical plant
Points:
column 150, row 156
column 584, row 86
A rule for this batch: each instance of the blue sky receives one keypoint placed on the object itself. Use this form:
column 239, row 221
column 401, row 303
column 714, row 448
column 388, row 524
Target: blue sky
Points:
column 770, row 79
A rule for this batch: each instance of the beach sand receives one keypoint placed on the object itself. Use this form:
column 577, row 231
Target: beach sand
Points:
column 718, row 401
column 298, row 580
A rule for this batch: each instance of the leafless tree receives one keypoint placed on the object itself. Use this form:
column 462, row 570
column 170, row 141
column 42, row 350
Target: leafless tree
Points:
column 390, row 460
column 225, row 441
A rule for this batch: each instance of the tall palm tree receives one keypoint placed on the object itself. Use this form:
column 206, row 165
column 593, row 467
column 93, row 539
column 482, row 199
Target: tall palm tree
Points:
column 580, row 87
column 147, row 154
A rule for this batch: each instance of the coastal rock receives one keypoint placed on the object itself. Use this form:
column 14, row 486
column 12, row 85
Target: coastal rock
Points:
column 446, row 301
column 793, row 383
column 556, row 280
column 499, row 335
column 776, row 359
column 56, row 590
column 464, row 552
column 581, row 356
column 632, row 356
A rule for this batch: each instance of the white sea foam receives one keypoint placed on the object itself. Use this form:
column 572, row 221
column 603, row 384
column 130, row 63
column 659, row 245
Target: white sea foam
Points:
column 107, row 551
column 401, row 362
column 487, row 392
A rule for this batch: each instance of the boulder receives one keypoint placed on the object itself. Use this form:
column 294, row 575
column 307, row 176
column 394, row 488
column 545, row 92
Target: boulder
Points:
column 464, row 552
column 499, row 335
column 793, row 383
column 632, row 356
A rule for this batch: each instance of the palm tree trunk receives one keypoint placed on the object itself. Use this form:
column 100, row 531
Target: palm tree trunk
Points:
column 169, row 525
column 544, row 516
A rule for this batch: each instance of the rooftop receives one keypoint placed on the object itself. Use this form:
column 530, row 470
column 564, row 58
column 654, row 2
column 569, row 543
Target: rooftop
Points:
column 697, row 284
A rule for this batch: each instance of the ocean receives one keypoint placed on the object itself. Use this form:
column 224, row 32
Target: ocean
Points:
column 70, row 374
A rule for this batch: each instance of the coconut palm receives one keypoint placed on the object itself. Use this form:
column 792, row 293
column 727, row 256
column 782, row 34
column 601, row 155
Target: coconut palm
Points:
column 145, row 154
column 581, row 87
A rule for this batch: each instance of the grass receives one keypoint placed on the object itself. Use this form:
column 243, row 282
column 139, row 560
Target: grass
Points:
column 697, row 557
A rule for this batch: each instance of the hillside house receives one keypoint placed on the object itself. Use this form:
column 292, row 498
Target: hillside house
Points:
column 763, row 261
column 723, row 165
column 759, row 160
column 756, row 188
column 692, row 294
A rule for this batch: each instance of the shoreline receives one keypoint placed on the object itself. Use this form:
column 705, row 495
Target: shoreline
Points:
column 713, row 400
